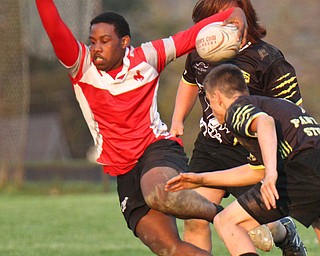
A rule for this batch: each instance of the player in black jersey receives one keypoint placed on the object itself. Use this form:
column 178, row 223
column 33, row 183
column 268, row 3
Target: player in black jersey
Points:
column 267, row 73
column 284, row 145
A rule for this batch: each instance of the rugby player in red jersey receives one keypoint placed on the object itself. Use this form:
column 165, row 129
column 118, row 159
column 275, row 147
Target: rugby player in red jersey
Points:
column 116, row 87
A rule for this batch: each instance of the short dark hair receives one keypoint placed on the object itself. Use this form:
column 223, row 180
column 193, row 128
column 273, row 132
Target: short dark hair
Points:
column 118, row 21
column 206, row 8
column 226, row 78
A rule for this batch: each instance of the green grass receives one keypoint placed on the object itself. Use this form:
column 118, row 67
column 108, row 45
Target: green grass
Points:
column 86, row 223
column 65, row 225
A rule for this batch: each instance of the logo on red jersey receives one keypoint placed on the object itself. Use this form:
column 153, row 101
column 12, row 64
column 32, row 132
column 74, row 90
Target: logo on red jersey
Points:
column 138, row 76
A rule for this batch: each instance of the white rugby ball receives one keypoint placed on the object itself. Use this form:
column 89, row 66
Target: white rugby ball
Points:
column 217, row 43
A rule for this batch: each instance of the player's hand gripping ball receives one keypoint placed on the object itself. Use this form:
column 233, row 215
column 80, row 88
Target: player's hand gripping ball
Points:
column 217, row 43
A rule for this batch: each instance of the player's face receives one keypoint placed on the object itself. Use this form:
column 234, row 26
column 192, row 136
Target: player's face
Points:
column 107, row 49
column 217, row 109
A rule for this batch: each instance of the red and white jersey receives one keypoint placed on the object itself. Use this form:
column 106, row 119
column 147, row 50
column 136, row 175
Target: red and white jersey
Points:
column 122, row 113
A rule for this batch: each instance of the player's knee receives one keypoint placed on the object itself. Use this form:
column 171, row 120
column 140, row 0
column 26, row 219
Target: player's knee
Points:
column 157, row 198
column 165, row 247
column 219, row 221
column 163, row 251
column 195, row 225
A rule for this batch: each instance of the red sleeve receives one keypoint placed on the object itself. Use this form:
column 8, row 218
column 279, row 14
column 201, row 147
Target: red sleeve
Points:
column 62, row 39
column 185, row 40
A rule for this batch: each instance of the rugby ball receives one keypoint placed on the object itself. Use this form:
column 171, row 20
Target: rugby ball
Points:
column 217, row 43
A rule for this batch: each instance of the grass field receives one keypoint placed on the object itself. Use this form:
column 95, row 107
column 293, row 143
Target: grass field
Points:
column 87, row 223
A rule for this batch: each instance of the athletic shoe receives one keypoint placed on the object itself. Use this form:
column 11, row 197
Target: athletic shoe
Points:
column 262, row 238
column 292, row 245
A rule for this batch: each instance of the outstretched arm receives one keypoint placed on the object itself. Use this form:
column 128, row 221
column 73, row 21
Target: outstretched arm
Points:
column 63, row 41
column 234, row 177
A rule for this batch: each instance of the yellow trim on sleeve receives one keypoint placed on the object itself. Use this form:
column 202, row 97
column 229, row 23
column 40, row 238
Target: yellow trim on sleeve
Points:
column 186, row 82
column 256, row 167
column 299, row 102
column 249, row 123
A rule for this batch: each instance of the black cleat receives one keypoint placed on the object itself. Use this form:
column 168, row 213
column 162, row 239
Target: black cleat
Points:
column 292, row 245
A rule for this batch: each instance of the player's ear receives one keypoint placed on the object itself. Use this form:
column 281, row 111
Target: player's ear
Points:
column 219, row 98
column 126, row 41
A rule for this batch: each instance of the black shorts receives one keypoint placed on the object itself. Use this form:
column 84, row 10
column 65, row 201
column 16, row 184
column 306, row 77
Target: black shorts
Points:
column 298, row 186
column 209, row 155
column 166, row 153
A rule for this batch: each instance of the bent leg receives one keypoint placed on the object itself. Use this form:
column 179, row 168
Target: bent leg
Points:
column 232, row 225
column 159, row 232
column 184, row 204
column 197, row 231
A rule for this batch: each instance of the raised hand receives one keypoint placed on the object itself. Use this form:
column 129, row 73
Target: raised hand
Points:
column 238, row 18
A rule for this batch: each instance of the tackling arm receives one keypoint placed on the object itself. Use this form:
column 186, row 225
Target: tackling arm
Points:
column 225, row 178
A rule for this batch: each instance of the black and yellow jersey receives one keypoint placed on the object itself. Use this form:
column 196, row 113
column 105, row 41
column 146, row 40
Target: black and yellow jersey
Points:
column 266, row 73
column 296, row 129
